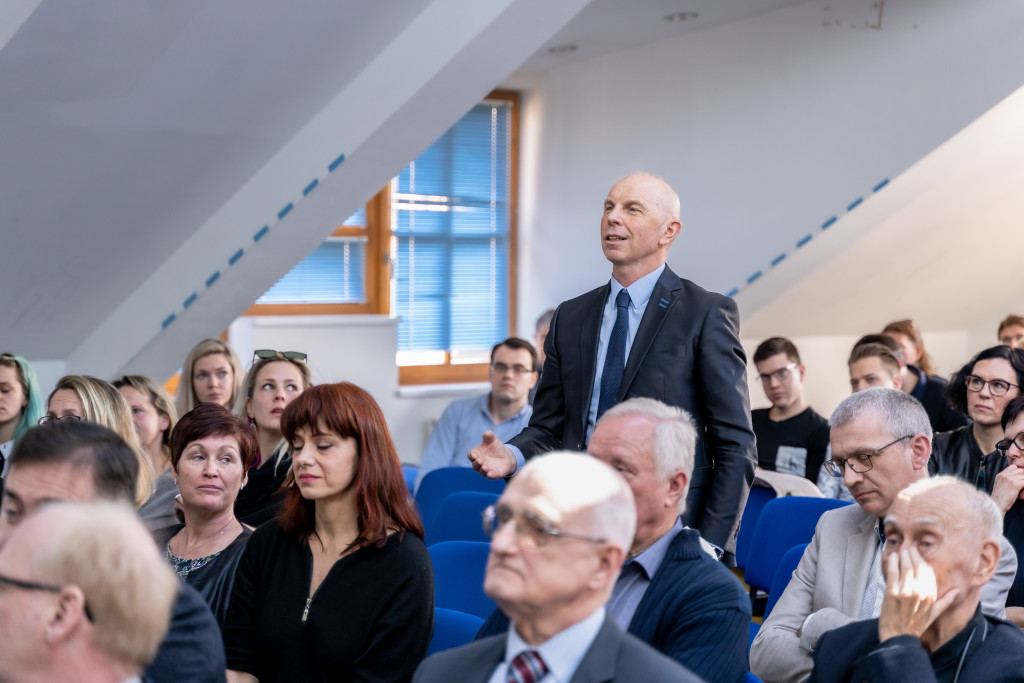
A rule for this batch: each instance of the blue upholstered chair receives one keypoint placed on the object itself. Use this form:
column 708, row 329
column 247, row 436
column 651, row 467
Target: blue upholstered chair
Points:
column 439, row 484
column 459, row 568
column 460, row 517
column 783, row 574
column 756, row 500
column 452, row 629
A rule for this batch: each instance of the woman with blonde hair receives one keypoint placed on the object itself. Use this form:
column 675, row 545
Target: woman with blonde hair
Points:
column 154, row 416
column 275, row 379
column 80, row 397
column 212, row 373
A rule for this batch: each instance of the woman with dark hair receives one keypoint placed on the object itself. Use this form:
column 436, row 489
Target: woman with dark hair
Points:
column 211, row 451
column 339, row 587
column 982, row 389
column 1008, row 494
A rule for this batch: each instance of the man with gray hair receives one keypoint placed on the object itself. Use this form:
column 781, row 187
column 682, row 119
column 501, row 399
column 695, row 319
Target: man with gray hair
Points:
column 560, row 532
column 881, row 441
column 86, row 595
column 672, row 592
column 942, row 547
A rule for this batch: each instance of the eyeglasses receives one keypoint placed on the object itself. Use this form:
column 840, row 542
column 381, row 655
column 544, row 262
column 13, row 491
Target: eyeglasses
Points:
column 1005, row 444
column 858, row 463
column 998, row 387
column 267, row 354
column 501, row 368
column 782, row 374
column 531, row 530
column 45, row 587
column 56, row 418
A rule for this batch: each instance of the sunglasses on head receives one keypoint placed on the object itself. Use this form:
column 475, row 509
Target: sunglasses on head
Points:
column 267, row 354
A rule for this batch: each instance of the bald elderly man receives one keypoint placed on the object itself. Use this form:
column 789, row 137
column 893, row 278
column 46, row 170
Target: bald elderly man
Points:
column 560, row 533
column 645, row 333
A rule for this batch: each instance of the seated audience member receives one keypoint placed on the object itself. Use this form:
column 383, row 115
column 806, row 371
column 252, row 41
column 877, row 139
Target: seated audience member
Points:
column 21, row 404
column 560, row 533
column 339, row 587
column 919, row 378
column 540, row 335
column 1011, row 331
column 154, row 415
column 80, row 397
column 942, row 546
column 881, row 441
column 1008, row 494
column 982, row 389
column 791, row 437
column 79, row 461
column 275, row 379
column 211, row 373
column 672, row 593
column 211, row 452
column 85, row 595
column 875, row 364
column 503, row 412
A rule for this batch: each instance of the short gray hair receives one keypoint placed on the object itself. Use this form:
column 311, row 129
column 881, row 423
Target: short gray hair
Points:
column 981, row 512
column 901, row 413
column 675, row 438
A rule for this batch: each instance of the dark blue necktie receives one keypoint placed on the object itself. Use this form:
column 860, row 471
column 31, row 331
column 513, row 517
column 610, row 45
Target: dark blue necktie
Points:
column 615, row 359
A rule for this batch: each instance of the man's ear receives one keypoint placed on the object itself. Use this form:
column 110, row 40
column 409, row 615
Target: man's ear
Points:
column 921, row 446
column 988, row 561
column 67, row 617
column 670, row 231
column 897, row 382
column 676, row 488
column 610, row 559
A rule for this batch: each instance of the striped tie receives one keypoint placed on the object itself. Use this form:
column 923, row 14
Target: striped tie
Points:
column 527, row 667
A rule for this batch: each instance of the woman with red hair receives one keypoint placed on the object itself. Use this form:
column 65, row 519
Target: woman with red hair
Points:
column 340, row 586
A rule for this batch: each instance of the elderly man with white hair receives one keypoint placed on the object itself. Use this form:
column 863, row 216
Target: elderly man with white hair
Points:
column 85, row 595
column 560, row 533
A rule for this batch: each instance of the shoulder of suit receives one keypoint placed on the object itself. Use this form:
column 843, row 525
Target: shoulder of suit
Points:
column 845, row 516
column 640, row 661
column 457, row 656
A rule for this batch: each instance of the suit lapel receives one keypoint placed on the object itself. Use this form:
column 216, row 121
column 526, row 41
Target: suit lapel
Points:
column 598, row 664
column 663, row 298
column 588, row 340
column 860, row 550
column 480, row 668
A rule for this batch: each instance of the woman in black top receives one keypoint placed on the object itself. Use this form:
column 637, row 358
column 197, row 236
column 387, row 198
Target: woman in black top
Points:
column 339, row 587
column 982, row 389
column 1008, row 493
column 211, row 451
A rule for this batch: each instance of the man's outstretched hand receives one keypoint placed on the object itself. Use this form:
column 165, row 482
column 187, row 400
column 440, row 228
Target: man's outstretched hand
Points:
column 492, row 458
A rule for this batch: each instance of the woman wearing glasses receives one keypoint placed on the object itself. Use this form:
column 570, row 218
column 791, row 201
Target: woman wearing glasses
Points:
column 212, row 373
column 21, row 405
column 80, row 397
column 981, row 389
column 275, row 379
column 340, row 586
column 1008, row 493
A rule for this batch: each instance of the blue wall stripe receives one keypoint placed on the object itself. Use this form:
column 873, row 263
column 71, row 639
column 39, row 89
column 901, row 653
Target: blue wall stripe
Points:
column 213, row 278
column 284, row 212
column 336, row 163
column 732, row 292
column 234, row 257
column 753, row 277
column 804, row 240
column 856, row 203
column 880, row 185
column 191, row 299
column 830, row 221
column 167, row 321
column 261, row 232
column 778, row 259
column 309, row 188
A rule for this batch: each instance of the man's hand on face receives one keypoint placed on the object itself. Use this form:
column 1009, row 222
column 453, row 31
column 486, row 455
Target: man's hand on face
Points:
column 492, row 458
column 911, row 603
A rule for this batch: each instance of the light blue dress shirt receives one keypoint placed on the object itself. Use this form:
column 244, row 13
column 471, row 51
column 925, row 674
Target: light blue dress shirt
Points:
column 562, row 653
column 636, row 576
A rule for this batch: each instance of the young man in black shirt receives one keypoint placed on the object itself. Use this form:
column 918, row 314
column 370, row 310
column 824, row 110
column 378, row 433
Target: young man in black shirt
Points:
column 791, row 437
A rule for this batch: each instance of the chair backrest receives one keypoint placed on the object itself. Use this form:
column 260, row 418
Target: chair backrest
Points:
column 452, row 629
column 459, row 568
column 460, row 517
column 751, row 678
column 784, row 523
column 410, row 472
column 756, row 500
column 783, row 574
column 438, row 484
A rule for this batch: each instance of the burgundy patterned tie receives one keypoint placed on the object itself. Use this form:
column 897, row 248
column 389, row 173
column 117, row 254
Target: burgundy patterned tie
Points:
column 527, row 667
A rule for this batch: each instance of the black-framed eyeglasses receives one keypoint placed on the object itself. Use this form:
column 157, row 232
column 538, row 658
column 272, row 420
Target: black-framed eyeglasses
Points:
column 1004, row 445
column 782, row 374
column 858, row 463
column 502, row 368
column 998, row 387
column 45, row 587
column 57, row 418
column 267, row 354
column 531, row 530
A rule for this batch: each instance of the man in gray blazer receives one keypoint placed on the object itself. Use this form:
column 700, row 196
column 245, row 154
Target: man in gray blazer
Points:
column 881, row 442
column 560, row 533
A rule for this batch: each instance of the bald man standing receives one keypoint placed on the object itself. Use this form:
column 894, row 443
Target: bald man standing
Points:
column 645, row 333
